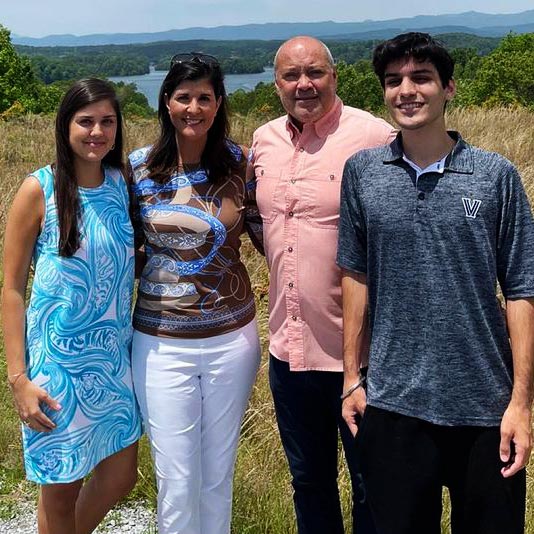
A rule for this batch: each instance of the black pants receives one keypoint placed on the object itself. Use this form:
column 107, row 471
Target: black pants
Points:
column 406, row 462
column 308, row 412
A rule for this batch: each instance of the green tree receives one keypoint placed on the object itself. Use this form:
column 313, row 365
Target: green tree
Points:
column 18, row 83
column 262, row 101
column 466, row 63
column 504, row 77
column 241, row 101
column 358, row 86
column 50, row 97
column 132, row 102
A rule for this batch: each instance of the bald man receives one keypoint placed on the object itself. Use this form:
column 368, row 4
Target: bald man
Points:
column 298, row 162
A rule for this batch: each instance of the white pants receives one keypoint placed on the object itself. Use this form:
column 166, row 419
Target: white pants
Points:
column 193, row 394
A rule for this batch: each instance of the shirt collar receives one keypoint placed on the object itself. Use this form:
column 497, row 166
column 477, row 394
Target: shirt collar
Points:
column 437, row 166
column 459, row 160
column 325, row 125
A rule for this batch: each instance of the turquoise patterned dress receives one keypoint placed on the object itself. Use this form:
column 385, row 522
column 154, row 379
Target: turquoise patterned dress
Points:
column 78, row 335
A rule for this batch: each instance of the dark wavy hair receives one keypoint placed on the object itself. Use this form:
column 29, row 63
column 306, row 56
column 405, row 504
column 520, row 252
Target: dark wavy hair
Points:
column 82, row 93
column 420, row 46
column 217, row 158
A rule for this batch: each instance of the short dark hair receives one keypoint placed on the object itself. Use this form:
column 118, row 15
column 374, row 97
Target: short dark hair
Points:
column 82, row 93
column 421, row 47
column 217, row 158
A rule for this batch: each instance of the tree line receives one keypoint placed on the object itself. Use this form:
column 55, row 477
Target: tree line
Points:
column 502, row 77
column 489, row 72
column 23, row 90
column 236, row 57
column 55, row 63
column 52, row 69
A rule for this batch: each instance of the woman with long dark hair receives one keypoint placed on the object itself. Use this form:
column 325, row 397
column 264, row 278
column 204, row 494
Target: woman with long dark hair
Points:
column 195, row 351
column 68, row 357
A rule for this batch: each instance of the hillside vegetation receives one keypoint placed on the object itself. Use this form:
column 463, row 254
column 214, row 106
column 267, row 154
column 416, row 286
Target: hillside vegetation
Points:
column 262, row 498
column 505, row 76
column 53, row 63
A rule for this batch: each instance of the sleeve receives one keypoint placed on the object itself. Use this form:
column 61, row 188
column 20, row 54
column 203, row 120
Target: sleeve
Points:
column 515, row 238
column 382, row 133
column 352, row 237
column 387, row 133
column 391, row 135
column 253, row 220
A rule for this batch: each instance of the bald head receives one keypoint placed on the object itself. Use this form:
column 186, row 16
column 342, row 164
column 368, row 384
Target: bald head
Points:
column 305, row 78
column 303, row 42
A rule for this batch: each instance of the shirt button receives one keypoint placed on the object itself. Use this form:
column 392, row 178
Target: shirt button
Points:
column 332, row 177
column 301, row 149
column 421, row 196
column 290, row 214
column 290, row 284
column 293, row 180
column 294, row 317
column 290, row 249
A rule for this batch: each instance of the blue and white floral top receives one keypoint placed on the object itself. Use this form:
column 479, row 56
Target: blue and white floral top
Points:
column 78, row 335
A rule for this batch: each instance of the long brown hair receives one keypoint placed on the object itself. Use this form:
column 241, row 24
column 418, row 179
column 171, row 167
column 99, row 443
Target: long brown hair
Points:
column 217, row 157
column 82, row 93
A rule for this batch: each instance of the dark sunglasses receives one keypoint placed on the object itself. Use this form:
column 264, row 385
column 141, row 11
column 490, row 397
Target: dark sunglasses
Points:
column 198, row 57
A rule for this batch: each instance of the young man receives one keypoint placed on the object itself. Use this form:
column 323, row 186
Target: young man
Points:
column 428, row 225
column 298, row 162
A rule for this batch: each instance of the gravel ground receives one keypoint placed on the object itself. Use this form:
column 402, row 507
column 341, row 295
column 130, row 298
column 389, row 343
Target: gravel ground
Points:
column 130, row 519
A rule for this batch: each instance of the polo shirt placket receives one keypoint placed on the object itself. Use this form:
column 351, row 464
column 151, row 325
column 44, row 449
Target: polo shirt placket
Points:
column 426, row 181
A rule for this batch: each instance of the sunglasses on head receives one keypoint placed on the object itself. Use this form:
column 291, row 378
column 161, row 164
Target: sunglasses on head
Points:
column 194, row 57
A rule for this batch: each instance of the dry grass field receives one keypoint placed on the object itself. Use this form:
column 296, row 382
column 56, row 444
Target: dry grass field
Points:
column 262, row 501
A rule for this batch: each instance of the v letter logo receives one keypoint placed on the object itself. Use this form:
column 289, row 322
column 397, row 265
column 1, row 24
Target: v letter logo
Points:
column 471, row 206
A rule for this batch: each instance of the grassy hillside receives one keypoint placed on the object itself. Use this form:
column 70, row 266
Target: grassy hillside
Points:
column 262, row 500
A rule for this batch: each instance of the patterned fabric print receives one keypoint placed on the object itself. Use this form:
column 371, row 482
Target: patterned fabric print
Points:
column 78, row 335
column 193, row 283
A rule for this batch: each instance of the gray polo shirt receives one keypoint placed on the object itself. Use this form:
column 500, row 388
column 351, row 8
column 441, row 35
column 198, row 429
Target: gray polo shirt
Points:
column 433, row 250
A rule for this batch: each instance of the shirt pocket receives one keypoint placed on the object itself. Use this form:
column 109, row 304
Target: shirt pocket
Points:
column 320, row 194
column 270, row 191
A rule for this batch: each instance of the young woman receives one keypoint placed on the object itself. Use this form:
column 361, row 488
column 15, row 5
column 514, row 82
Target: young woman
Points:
column 68, row 359
column 195, row 350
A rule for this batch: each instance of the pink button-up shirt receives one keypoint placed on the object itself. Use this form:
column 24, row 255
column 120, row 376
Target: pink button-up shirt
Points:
column 298, row 188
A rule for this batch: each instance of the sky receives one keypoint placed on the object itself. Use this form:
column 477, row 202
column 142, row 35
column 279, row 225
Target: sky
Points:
column 37, row 18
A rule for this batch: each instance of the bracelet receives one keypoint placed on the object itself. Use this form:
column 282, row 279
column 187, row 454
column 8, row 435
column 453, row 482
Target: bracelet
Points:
column 12, row 379
column 353, row 388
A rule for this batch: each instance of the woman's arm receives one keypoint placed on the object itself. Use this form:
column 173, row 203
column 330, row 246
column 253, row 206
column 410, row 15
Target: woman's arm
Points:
column 23, row 226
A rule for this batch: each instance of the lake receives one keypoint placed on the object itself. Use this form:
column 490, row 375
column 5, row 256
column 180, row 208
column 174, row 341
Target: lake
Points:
column 149, row 84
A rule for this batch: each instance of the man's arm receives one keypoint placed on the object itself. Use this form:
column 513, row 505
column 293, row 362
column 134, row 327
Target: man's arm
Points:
column 137, row 224
column 253, row 221
column 516, row 424
column 355, row 344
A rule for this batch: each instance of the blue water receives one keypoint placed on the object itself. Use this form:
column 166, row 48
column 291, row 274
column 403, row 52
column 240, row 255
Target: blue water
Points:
column 149, row 84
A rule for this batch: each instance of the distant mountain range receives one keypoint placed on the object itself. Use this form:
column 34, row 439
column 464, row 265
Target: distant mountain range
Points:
column 483, row 24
